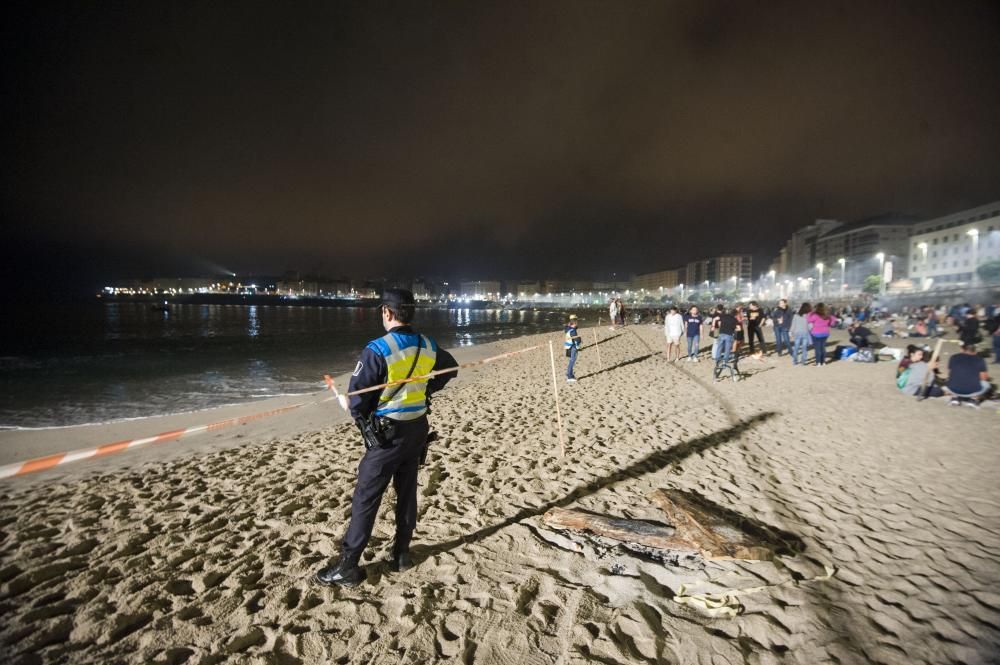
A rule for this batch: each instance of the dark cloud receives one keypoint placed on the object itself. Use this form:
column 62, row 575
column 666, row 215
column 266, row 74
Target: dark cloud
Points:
column 504, row 137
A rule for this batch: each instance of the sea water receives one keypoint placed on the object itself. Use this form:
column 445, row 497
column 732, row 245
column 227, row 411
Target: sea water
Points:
column 99, row 362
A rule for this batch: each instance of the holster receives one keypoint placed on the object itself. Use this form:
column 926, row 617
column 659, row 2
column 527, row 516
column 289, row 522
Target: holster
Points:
column 376, row 431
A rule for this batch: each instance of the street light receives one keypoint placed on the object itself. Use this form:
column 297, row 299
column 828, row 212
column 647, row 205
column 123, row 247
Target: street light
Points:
column 923, row 266
column 843, row 269
column 974, row 234
column 819, row 267
column 881, row 273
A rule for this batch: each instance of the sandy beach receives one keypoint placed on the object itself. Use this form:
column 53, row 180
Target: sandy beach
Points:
column 203, row 550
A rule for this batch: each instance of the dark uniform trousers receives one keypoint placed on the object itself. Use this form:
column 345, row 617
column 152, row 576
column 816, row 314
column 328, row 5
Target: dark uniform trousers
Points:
column 399, row 464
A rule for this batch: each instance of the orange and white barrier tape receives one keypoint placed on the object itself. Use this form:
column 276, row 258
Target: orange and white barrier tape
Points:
column 43, row 463
column 429, row 375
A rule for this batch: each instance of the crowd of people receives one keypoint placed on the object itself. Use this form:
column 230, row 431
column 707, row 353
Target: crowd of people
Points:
column 740, row 329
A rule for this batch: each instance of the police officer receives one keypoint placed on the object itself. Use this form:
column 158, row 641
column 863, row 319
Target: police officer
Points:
column 394, row 427
column 571, row 345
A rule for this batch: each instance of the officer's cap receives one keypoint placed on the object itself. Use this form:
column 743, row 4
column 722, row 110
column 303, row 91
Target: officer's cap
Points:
column 395, row 299
column 400, row 301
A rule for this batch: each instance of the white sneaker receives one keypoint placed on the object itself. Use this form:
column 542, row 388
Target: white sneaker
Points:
column 570, row 380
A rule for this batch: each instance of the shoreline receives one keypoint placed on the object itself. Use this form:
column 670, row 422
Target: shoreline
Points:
column 23, row 444
column 205, row 549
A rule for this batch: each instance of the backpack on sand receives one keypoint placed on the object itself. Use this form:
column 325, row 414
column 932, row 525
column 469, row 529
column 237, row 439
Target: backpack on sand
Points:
column 864, row 356
column 902, row 378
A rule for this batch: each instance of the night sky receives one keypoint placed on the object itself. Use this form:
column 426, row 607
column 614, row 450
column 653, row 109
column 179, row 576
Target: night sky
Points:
column 481, row 139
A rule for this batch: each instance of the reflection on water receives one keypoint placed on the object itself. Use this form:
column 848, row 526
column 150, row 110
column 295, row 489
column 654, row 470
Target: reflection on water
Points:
column 253, row 325
column 119, row 360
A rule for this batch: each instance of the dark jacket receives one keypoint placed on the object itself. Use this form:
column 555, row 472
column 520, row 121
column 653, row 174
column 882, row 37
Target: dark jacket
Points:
column 969, row 330
column 782, row 318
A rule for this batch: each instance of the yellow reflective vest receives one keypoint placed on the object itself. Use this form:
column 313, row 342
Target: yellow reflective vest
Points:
column 407, row 401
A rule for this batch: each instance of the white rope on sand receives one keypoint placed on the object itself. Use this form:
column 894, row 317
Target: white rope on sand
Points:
column 725, row 604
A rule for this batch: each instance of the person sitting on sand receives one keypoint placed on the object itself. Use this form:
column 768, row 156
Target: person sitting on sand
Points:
column 912, row 379
column 859, row 335
column 968, row 381
column 905, row 360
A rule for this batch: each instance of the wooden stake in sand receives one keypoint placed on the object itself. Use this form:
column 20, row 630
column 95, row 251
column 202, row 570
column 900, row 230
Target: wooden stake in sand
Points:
column 934, row 357
column 341, row 400
column 555, row 391
column 597, row 345
column 930, row 365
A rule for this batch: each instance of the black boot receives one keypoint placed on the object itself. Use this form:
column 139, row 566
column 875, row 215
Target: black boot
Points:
column 345, row 573
column 401, row 562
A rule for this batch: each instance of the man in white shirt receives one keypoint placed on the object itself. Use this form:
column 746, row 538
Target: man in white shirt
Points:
column 673, row 328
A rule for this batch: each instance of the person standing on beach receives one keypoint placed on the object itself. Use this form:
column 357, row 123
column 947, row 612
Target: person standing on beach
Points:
column 819, row 327
column 394, row 428
column 781, row 317
column 728, row 325
column 693, row 321
column 613, row 312
column 993, row 328
column 571, row 344
column 740, row 329
column 755, row 320
column 673, row 328
column 800, row 334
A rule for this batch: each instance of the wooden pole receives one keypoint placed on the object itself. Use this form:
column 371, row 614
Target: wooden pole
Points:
column 930, row 368
column 555, row 391
column 597, row 345
column 341, row 400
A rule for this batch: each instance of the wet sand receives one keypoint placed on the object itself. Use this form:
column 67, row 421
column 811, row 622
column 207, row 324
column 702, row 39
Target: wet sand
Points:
column 203, row 551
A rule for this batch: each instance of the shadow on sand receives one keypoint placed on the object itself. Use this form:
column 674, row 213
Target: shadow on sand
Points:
column 624, row 363
column 651, row 463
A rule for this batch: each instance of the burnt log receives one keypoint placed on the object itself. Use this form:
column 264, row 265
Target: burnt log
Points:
column 639, row 532
column 716, row 532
